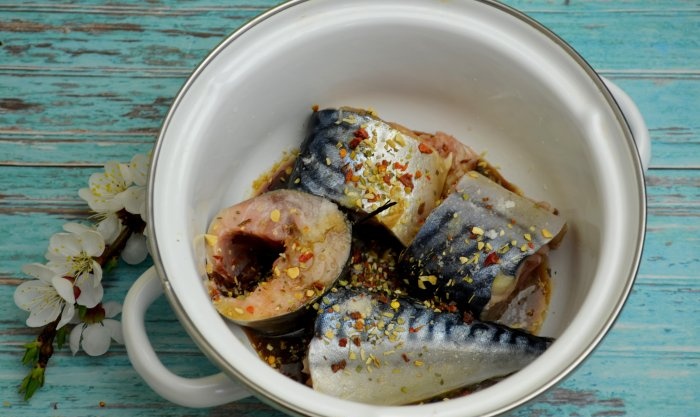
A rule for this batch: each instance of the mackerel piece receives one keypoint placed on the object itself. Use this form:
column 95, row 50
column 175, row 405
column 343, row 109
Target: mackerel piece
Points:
column 397, row 351
column 472, row 249
column 361, row 162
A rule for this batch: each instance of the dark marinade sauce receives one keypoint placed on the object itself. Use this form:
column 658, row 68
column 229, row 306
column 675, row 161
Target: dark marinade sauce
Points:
column 372, row 266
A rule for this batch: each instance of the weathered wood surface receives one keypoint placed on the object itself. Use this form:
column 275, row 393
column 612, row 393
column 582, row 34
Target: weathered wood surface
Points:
column 84, row 82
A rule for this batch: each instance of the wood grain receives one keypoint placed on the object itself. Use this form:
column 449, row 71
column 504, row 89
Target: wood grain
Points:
column 84, row 82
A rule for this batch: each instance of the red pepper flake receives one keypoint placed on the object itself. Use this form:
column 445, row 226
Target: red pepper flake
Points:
column 359, row 325
column 382, row 166
column 382, row 298
column 354, row 142
column 250, row 309
column 468, row 317
column 355, row 315
column 421, row 208
column 339, row 366
column 414, row 329
column 407, row 180
column 306, row 256
column 361, row 133
column 318, row 286
column 491, row 259
column 530, row 245
column 387, row 179
column 348, row 176
column 423, row 148
column 405, row 358
column 342, row 152
column 400, row 167
column 418, row 174
column 356, row 341
column 217, row 257
column 343, row 342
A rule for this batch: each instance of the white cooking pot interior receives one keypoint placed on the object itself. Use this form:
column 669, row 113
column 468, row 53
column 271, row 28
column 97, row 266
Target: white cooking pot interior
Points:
column 466, row 68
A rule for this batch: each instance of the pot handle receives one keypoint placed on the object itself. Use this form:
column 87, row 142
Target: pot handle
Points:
column 207, row 391
column 635, row 120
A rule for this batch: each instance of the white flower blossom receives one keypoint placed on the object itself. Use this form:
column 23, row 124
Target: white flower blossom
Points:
column 109, row 226
column 105, row 188
column 88, row 294
column 96, row 337
column 134, row 198
column 136, row 250
column 46, row 297
column 72, row 254
column 121, row 186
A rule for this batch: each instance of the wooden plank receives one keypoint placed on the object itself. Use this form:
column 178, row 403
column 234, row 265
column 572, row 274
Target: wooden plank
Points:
column 182, row 36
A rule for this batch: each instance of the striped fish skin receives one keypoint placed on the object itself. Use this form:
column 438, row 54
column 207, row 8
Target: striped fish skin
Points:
column 472, row 245
column 361, row 162
column 397, row 351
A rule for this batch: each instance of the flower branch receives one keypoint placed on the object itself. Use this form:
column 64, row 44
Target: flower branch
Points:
column 67, row 292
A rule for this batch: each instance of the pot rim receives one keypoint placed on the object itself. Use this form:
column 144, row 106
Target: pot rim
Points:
column 265, row 394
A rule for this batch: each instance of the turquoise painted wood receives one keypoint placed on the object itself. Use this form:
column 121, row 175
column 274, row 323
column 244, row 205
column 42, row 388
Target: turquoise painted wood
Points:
column 87, row 81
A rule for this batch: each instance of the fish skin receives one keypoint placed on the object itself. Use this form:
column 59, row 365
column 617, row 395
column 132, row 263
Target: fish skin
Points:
column 338, row 163
column 407, row 352
column 445, row 260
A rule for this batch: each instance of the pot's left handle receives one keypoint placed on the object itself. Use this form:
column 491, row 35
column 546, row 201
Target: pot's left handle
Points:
column 189, row 392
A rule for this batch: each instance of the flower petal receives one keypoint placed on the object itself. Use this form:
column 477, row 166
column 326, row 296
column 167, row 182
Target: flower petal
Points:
column 90, row 295
column 109, row 227
column 92, row 242
column 64, row 288
column 66, row 316
column 40, row 271
column 96, row 339
column 96, row 273
column 134, row 200
column 112, row 308
column 125, row 172
column 32, row 294
column 115, row 329
column 75, row 228
column 139, row 167
column 135, row 251
column 44, row 314
column 63, row 245
column 74, row 338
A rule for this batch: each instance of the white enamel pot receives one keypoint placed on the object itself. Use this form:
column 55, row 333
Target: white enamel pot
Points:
column 479, row 70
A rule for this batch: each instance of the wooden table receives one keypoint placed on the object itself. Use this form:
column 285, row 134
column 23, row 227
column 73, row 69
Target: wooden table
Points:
column 84, row 82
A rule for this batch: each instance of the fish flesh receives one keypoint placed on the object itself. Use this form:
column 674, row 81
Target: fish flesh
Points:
column 477, row 245
column 463, row 159
column 394, row 351
column 274, row 254
column 361, row 162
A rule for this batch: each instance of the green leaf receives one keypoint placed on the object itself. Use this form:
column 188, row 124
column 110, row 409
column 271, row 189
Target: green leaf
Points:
column 61, row 337
column 32, row 382
column 81, row 312
column 31, row 354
